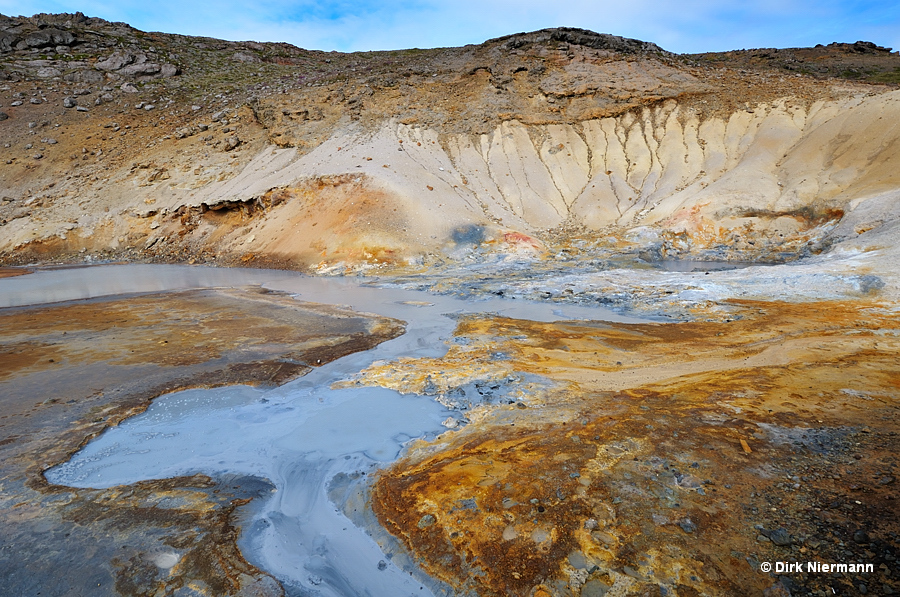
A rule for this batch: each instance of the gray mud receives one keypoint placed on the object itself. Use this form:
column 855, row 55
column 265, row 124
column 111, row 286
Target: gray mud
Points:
column 298, row 436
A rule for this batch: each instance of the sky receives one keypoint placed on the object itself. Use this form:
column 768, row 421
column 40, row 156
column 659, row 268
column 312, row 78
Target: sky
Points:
column 685, row 26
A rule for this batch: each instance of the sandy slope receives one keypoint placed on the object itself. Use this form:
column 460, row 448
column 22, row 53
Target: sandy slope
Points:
column 387, row 157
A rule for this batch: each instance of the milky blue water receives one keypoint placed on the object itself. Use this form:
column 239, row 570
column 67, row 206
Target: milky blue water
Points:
column 298, row 436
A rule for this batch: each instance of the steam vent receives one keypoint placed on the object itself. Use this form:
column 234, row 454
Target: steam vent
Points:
column 560, row 314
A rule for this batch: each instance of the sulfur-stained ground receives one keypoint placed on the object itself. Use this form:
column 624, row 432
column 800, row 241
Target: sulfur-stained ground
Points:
column 70, row 370
column 657, row 459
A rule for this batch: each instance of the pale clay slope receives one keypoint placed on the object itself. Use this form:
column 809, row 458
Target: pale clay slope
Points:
column 624, row 172
column 660, row 169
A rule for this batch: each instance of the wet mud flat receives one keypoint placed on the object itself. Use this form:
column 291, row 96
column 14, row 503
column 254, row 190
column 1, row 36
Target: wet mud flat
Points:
column 70, row 370
column 664, row 459
column 558, row 457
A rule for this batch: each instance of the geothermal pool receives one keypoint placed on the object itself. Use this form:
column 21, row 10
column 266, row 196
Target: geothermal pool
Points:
column 298, row 436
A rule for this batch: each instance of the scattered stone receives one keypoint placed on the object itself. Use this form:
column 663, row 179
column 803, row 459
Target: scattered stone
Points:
column 51, row 141
column 382, row 565
column 777, row 590
column 81, row 109
column 232, row 142
column 632, row 573
column 426, row 521
column 28, row 146
column 149, row 107
column 3, row 116
column 780, row 537
column 16, row 103
column 83, row 76
column 594, row 588
column 687, row 525
column 36, row 100
column 38, row 156
column 245, row 57
column 70, row 102
column 115, row 61
column 129, row 88
column 861, row 537
column 48, row 72
column 577, row 560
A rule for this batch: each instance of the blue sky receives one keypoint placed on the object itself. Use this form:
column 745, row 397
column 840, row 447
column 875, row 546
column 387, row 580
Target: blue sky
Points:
column 349, row 25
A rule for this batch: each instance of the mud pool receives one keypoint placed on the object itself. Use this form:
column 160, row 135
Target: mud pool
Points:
column 298, row 436
column 343, row 482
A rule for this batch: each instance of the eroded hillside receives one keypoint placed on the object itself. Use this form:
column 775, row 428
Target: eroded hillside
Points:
column 180, row 148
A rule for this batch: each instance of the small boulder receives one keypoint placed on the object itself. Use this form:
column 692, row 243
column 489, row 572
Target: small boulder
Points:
column 780, row 537
column 70, row 102
column 49, row 37
column 232, row 142
column 115, row 61
column 48, row 72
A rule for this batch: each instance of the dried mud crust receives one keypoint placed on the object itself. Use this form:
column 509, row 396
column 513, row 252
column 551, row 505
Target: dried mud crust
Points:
column 70, row 370
column 714, row 448
column 11, row 272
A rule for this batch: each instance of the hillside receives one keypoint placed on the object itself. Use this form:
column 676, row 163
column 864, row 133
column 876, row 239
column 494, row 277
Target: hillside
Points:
column 193, row 149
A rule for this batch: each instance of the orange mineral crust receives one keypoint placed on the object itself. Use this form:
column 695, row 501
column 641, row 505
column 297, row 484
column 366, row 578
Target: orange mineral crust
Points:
column 769, row 438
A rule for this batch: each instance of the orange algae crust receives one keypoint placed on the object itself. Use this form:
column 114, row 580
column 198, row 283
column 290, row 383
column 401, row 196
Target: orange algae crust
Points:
column 679, row 456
